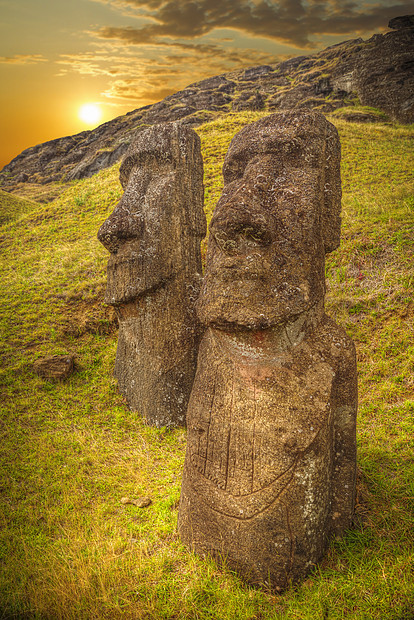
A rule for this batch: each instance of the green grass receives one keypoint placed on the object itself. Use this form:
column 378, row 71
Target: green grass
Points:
column 71, row 451
column 356, row 109
column 12, row 207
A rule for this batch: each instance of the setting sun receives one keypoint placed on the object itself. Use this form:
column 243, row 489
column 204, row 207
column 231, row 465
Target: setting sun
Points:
column 90, row 113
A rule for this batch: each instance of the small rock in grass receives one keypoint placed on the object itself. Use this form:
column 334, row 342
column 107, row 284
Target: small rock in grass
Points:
column 140, row 502
column 54, row 366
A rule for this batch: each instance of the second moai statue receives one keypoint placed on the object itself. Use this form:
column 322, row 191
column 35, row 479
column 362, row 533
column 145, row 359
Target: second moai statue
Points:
column 269, row 472
column 154, row 271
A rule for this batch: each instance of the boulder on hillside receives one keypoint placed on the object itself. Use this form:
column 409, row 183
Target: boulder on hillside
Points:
column 54, row 367
column 405, row 21
column 384, row 74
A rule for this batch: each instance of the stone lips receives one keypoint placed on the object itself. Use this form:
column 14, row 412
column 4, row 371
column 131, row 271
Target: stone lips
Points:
column 378, row 72
column 153, row 236
column 270, row 466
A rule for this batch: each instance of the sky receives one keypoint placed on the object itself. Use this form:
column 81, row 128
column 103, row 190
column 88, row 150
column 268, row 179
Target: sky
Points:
column 113, row 56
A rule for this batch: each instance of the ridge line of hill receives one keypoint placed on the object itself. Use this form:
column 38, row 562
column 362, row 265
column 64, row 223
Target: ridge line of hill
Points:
column 378, row 72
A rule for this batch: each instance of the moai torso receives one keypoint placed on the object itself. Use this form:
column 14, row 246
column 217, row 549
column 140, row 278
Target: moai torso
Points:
column 154, row 270
column 270, row 466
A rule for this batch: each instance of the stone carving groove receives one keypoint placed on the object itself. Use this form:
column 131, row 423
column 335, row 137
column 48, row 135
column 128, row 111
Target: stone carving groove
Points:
column 154, row 269
column 270, row 466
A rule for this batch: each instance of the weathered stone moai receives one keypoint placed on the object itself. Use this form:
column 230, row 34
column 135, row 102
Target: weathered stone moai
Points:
column 154, row 270
column 270, row 466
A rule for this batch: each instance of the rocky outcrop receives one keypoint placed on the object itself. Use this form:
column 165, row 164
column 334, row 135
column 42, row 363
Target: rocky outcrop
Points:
column 384, row 76
column 378, row 72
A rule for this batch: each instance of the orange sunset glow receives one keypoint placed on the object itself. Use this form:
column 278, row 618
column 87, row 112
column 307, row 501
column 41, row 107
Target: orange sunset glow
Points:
column 69, row 66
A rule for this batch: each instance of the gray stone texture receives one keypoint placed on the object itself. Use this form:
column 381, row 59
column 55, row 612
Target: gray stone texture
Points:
column 384, row 75
column 269, row 472
column 154, row 236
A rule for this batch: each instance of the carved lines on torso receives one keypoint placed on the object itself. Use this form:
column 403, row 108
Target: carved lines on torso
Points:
column 249, row 434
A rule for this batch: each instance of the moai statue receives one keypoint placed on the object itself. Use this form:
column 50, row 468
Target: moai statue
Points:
column 270, row 466
column 154, row 269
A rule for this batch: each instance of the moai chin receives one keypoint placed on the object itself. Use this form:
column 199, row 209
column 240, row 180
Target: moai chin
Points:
column 269, row 472
column 154, row 269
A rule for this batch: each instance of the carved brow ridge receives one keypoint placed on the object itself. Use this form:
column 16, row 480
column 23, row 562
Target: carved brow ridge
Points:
column 151, row 157
column 268, row 145
column 241, row 158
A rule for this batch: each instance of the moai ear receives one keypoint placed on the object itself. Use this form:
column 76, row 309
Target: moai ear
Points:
column 188, row 147
column 331, row 220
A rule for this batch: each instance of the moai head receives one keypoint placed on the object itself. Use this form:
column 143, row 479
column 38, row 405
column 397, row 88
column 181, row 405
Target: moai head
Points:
column 155, row 226
column 277, row 217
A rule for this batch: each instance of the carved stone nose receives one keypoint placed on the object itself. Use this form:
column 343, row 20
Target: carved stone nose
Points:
column 121, row 226
column 235, row 222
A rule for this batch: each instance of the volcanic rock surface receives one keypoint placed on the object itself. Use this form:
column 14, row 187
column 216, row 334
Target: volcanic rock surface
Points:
column 378, row 72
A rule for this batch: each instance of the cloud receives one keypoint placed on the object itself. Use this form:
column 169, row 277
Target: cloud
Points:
column 22, row 59
column 149, row 73
column 135, row 90
column 293, row 22
column 174, row 42
column 107, row 64
column 94, row 64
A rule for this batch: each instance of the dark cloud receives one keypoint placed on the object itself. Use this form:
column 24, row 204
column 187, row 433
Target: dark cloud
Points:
column 289, row 21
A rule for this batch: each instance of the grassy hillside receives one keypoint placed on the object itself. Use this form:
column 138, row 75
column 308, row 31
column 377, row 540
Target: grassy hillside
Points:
column 12, row 207
column 69, row 548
